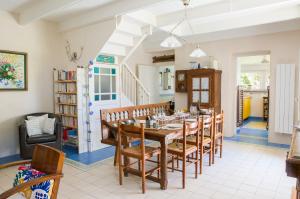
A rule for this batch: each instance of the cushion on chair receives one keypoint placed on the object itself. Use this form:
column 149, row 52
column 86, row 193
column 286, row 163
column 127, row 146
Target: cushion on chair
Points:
column 49, row 126
column 41, row 138
column 39, row 191
column 33, row 127
column 192, row 139
column 41, row 118
column 177, row 147
column 135, row 151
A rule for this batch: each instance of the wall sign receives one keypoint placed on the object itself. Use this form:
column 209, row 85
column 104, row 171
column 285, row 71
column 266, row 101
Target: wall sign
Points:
column 106, row 59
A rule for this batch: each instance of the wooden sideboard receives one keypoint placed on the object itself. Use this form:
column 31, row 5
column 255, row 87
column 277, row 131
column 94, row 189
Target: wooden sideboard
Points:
column 204, row 88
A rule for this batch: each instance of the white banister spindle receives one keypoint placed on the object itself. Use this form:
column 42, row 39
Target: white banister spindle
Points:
column 132, row 88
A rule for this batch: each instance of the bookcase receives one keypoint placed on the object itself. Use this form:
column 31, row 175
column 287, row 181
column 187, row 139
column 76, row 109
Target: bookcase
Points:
column 69, row 104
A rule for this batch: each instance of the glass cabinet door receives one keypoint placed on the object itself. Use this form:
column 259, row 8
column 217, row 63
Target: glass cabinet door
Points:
column 205, row 83
column 200, row 90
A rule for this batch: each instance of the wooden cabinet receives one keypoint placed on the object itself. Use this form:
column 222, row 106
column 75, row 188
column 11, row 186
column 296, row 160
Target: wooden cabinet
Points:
column 204, row 88
column 181, row 81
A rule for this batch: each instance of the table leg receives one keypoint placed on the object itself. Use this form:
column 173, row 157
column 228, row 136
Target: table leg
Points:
column 164, row 164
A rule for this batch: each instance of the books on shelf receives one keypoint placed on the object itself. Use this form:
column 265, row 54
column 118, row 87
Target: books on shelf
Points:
column 67, row 110
column 66, row 75
column 66, row 88
column 66, row 99
column 69, row 122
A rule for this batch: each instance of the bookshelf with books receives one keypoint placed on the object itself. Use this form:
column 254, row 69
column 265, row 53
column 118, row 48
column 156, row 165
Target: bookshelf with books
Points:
column 69, row 105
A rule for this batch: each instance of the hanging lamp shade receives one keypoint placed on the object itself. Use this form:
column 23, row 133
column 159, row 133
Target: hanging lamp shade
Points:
column 170, row 42
column 198, row 52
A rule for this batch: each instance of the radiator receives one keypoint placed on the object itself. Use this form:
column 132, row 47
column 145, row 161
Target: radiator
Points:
column 284, row 101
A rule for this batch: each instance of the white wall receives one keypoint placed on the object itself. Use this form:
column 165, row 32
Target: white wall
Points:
column 284, row 48
column 92, row 38
column 45, row 51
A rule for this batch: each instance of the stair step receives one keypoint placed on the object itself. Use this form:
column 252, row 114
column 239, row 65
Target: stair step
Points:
column 113, row 49
column 122, row 39
column 129, row 27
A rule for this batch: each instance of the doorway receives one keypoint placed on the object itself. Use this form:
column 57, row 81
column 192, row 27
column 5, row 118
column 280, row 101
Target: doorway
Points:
column 159, row 81
column 253, row 86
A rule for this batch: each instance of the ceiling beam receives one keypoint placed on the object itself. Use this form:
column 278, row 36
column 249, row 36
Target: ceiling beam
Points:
column 221, row 9
column 105, row 12
column 40, row 9
column 278, row 15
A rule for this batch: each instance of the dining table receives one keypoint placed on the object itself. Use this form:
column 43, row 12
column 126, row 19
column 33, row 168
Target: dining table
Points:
column 164, row 136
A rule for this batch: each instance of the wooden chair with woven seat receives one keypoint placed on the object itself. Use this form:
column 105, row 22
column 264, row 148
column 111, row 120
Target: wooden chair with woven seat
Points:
column 218, row 134
column 45, row 159
column 140, row 152
column 205, row 140
column 180, row 150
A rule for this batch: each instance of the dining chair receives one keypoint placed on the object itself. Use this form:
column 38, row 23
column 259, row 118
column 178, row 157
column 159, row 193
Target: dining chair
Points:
column 45, row 159
column 180, row 150
column 218, row 134
column 140, row 152
column 205, row 140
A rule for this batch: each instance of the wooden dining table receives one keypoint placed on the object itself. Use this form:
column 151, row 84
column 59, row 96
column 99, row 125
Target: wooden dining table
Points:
column 163, row 136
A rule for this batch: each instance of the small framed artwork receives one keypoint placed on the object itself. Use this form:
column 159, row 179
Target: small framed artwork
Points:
column 13, row 71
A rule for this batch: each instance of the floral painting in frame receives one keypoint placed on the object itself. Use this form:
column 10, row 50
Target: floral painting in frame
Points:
column 13, row 70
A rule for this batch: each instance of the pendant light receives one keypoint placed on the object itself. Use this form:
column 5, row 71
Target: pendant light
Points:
column 198, row 52
column 171, row 41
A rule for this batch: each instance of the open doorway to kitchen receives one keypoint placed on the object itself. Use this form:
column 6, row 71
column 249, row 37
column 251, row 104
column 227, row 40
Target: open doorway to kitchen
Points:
column 253, row 86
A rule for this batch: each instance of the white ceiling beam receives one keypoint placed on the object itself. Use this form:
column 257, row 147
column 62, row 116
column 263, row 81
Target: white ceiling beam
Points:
column 41, row 9
column 221, row 9
column 108, row 11
column 234, row 22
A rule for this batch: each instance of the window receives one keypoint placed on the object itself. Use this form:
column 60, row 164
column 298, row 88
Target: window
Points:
column 255, row 80
column 105, row 83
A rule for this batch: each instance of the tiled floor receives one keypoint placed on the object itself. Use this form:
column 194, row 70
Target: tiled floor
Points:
column 245, row 171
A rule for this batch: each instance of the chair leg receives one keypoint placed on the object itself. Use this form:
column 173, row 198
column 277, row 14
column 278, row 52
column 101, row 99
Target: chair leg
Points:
column 183, row 171
column 143, row 176
column 177, row 161
column 172, row 163
column 213, row 151
column 120, row 170
column 139, row 165
column 116, row 156
column 158, row 165
column 201, row 159
column 221, row 147
column 210, row 153
column 196, row 164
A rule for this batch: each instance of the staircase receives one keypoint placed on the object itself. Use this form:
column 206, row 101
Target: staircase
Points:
column 127, row 37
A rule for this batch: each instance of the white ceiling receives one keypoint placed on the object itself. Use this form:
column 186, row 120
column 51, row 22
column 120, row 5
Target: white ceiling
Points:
column 170, row 6
column 80, row 7
column 13, row 5
column 210, row 19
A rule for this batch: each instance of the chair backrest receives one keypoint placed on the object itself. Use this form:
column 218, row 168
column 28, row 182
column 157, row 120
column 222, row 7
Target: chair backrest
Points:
column 219, row 123
column 47, row 159
column 194, row 129
column 128, row 132
column 207, row 127
column 50, row 161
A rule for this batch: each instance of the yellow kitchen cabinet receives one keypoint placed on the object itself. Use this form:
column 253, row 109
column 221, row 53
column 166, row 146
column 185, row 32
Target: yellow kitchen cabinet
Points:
column 246, row 107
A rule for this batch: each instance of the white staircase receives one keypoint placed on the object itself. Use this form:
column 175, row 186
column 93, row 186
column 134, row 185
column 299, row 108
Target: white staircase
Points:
column 127, row 37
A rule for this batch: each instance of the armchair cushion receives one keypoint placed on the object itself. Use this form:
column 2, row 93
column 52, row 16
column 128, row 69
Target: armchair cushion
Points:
column 33, row 127
column 41, row 138
column 42, row 190
column 49, row 126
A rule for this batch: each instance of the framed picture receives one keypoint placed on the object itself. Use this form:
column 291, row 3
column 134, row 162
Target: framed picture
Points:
column 13, row 71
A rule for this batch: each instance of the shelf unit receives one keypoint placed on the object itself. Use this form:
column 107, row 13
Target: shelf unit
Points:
column 266, row 108
column 69, row 104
